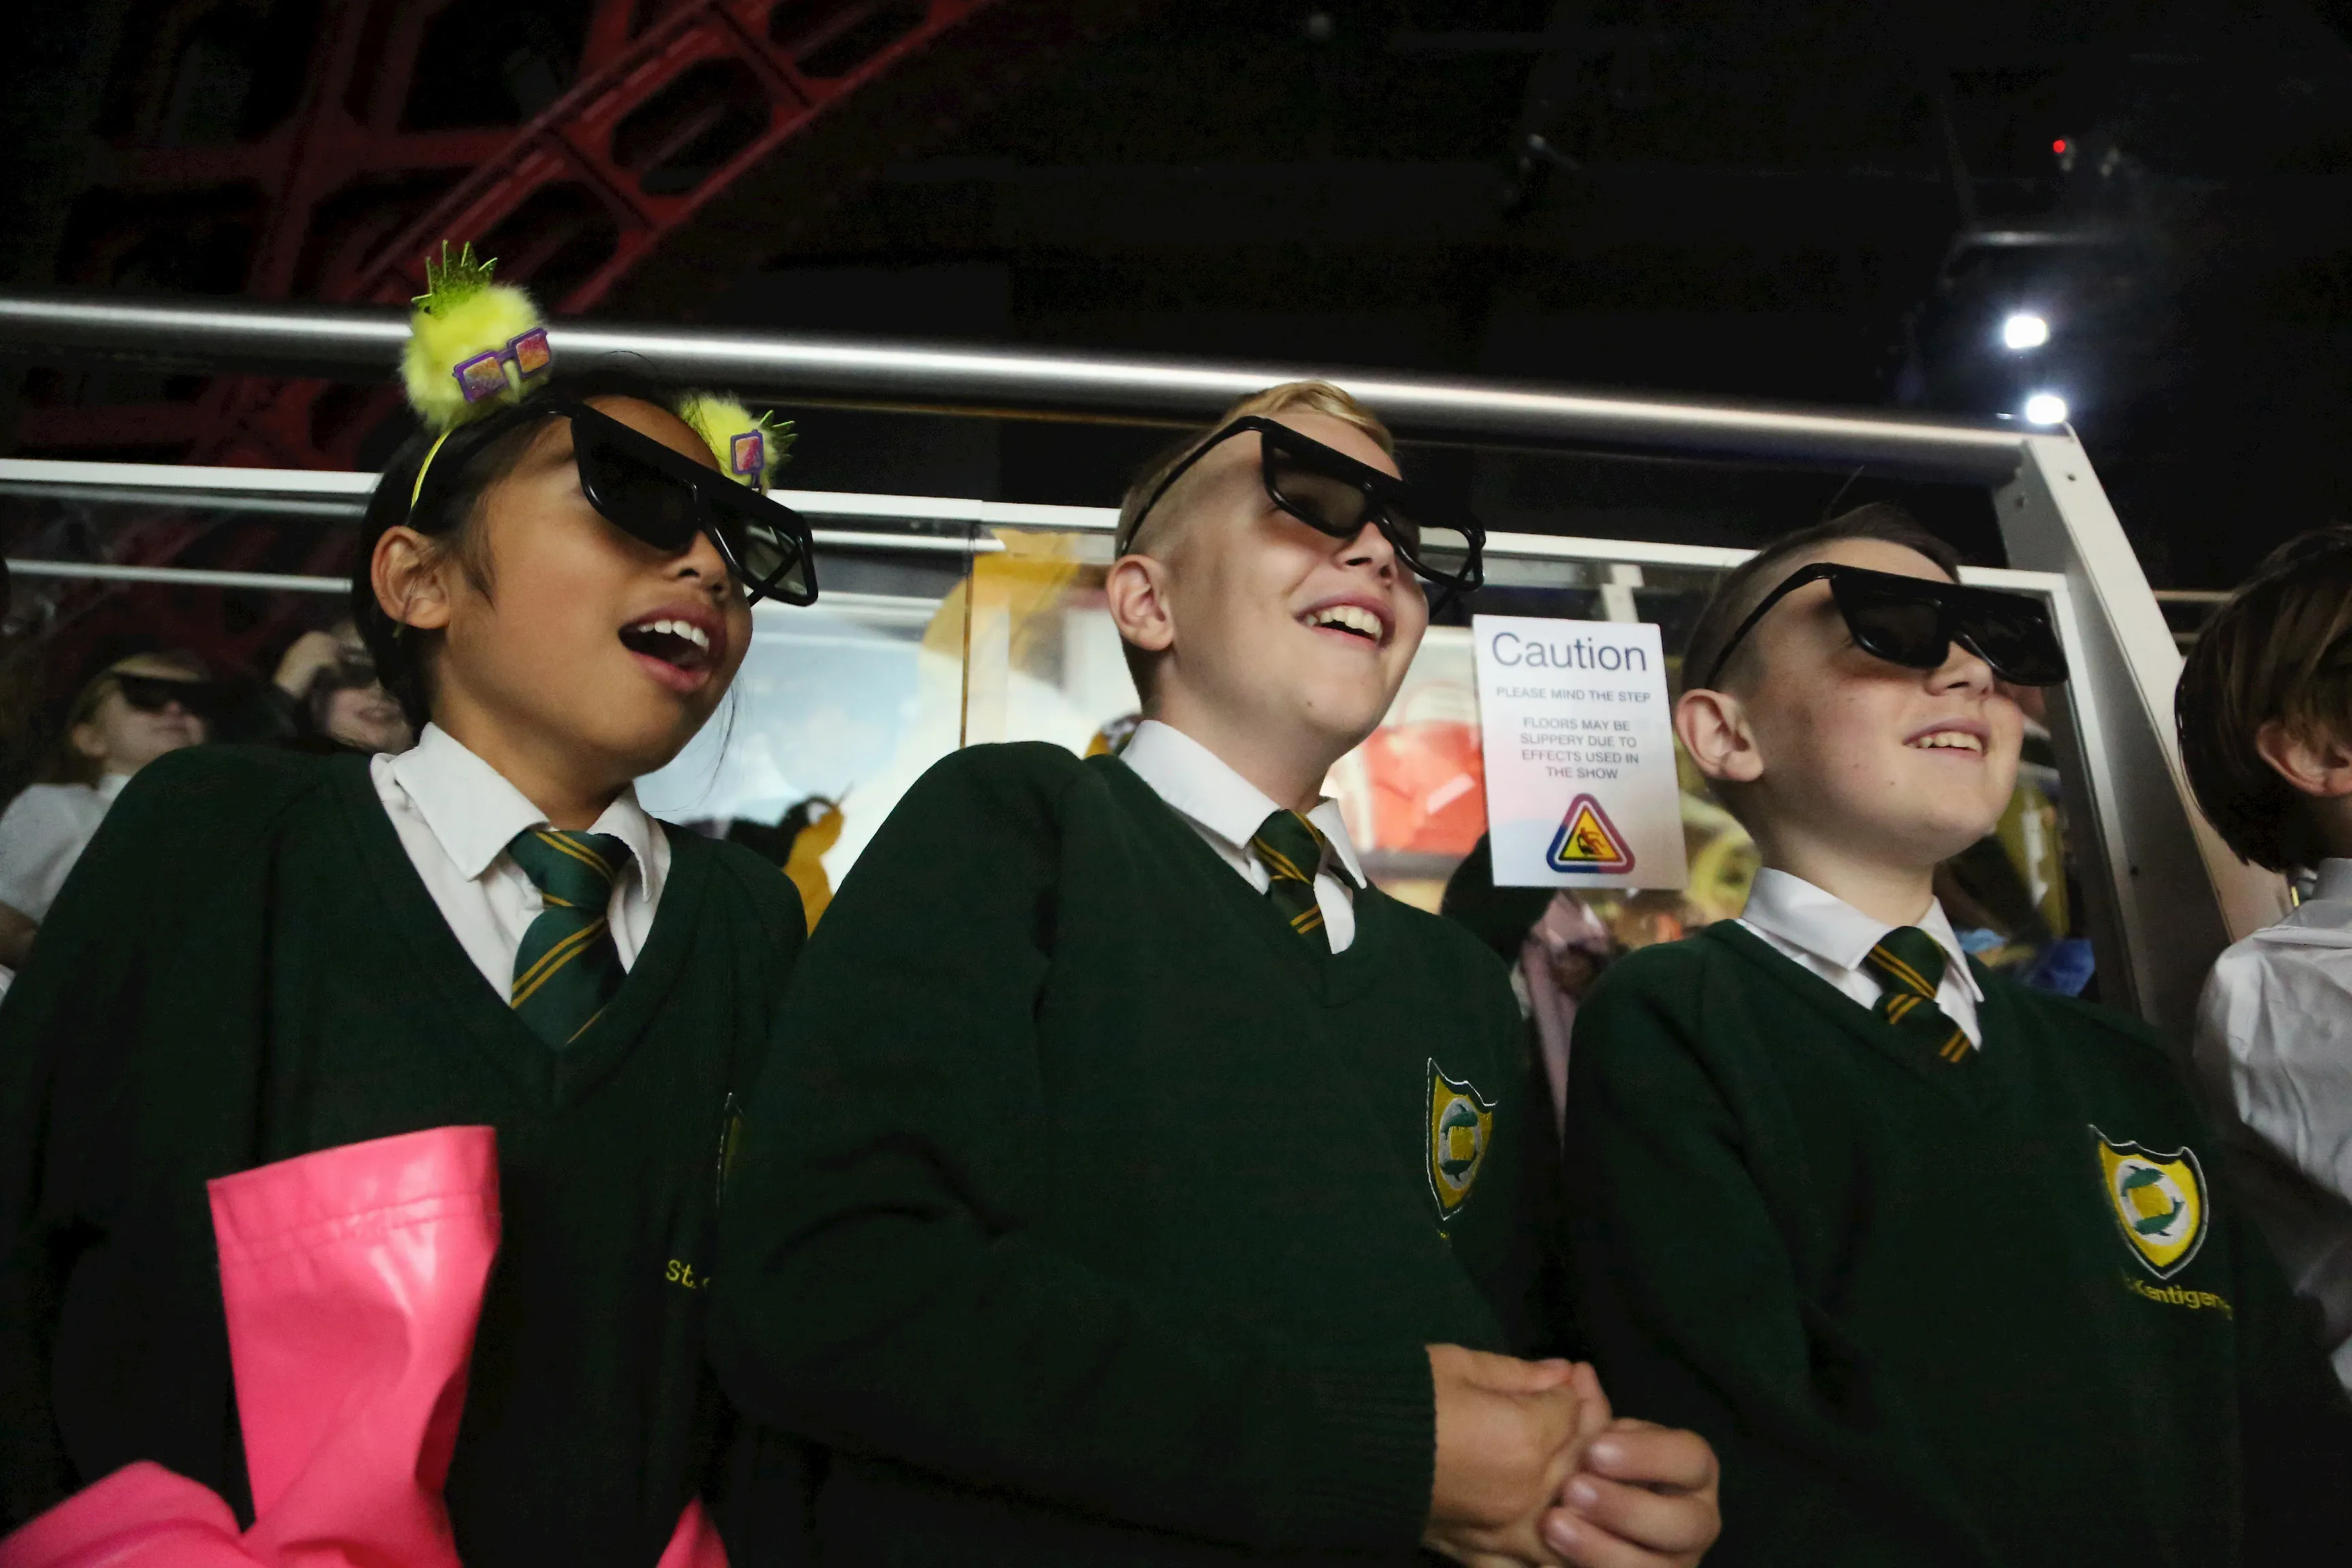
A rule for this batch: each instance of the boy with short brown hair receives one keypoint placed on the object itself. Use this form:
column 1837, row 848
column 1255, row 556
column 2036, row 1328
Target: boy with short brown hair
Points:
column 2265, row 717
column 1156, row 1206
column 1932, row 1259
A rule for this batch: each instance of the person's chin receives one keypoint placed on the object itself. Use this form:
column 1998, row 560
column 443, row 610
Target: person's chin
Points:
column 1946, row 834
column 647, row 727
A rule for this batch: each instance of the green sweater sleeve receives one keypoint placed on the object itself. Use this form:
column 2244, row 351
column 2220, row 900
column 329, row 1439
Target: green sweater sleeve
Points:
column 69, row 1124
column 1688, row 1290
column 884, row 1288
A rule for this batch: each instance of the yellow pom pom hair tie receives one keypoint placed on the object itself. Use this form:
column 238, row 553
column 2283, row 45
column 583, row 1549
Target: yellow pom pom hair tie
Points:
column 473, row 346
column 476, row 346
column 750, row 447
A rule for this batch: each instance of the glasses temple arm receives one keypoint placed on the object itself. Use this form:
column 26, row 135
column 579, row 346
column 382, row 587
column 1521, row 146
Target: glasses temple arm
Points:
column 1794, row 580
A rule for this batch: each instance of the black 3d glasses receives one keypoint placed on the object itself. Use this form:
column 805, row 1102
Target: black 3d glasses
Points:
column 1334, row 494
column 153, row 693
column 1915, row 621
column 664, row 499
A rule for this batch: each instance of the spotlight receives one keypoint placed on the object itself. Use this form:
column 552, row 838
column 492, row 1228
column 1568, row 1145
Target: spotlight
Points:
column 2045, row 408
column 2024, row 330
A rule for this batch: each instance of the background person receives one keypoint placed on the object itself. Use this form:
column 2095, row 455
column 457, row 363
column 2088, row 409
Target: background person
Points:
column 134, row 710
column 2265, row 717
column 348, row 704
column 326, row 690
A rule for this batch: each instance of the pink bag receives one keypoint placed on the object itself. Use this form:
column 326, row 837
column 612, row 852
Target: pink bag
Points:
column 141, row 1516
column 353, row 1279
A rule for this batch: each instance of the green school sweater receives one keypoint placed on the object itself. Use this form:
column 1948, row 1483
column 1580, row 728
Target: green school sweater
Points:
column 245, row 967
column 1092, row 1215
column 1933, row 1314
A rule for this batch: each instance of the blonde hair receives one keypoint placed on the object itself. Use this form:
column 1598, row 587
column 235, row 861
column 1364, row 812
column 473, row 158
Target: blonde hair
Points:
column 69, row 764
column 1311, row 396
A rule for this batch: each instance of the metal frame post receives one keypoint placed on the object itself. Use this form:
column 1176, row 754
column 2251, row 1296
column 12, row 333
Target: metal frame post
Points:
column 2173, row 895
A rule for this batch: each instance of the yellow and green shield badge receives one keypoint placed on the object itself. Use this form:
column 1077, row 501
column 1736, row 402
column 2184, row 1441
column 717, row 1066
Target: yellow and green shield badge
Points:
column 1461, row 1125
column 2158, row 1200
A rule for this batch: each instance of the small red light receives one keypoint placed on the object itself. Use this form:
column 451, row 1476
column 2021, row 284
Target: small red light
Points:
column 2059, row 146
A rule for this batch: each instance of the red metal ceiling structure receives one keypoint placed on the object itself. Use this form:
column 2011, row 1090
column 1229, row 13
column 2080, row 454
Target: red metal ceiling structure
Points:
column 671, row 101
column 332, row 186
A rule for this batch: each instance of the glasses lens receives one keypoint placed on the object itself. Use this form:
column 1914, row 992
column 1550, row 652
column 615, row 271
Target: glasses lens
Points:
column 2017, row 639
column 633, row 495
column 767, row 541
column 1337, row 506
column 1899, row 627
column 153, row 693
column 1442, row 552
column 1439, row 549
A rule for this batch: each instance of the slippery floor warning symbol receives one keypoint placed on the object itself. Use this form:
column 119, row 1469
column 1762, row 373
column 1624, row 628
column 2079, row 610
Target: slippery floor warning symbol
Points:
column 1588, row 841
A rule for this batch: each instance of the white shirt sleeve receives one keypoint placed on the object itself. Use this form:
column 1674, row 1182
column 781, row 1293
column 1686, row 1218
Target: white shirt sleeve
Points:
column 2275, row 1043
column 42, row 834
column 2272, row 1052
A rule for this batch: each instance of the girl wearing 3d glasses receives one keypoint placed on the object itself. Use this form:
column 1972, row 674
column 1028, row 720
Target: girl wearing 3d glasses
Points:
column 265, row 954
column 127, row 714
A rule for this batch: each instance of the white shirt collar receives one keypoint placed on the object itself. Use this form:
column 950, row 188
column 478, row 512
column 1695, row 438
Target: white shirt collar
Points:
column 475, row 812
column 1833, row 930
column 109, row 786
column 2335, row 885
column 1204, row 786
column 2323, row 919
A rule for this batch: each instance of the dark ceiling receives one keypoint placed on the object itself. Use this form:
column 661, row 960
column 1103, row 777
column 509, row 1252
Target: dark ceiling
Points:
column 1832, row 201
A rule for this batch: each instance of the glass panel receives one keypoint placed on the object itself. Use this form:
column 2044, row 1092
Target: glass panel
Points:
column 277, row 567
column 839, row 708
column 935, row 632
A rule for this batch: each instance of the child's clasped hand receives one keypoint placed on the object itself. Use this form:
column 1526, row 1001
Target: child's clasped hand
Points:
column 1532, row 1468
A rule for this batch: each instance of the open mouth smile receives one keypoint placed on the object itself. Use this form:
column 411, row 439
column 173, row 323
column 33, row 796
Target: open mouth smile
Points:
column 1949, row 738
column 1348, row 618
column 681, row 649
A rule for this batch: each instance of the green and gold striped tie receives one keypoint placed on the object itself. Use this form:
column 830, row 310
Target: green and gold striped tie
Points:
column 1293, row 849
column 568, row 968
column 1910, row 964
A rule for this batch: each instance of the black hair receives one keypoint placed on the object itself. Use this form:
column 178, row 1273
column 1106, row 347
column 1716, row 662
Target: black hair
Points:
column 2279, row 651
column 1745, row 587
column 474, row 456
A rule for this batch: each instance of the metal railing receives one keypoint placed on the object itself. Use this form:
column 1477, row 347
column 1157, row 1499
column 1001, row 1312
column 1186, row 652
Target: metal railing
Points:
column 359, row 342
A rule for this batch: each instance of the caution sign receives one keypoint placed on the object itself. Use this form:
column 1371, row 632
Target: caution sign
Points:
column 1579, row 749
column 1587, row 841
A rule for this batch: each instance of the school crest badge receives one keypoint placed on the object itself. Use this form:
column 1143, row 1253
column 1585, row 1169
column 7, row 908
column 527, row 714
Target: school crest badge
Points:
column 2158, row 1199
column 1461, row 1125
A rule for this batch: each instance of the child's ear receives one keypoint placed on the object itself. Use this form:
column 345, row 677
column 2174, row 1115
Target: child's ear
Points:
column 1713, row 728
column 1137, row 591
column 2320, row 767
column 409, row 572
